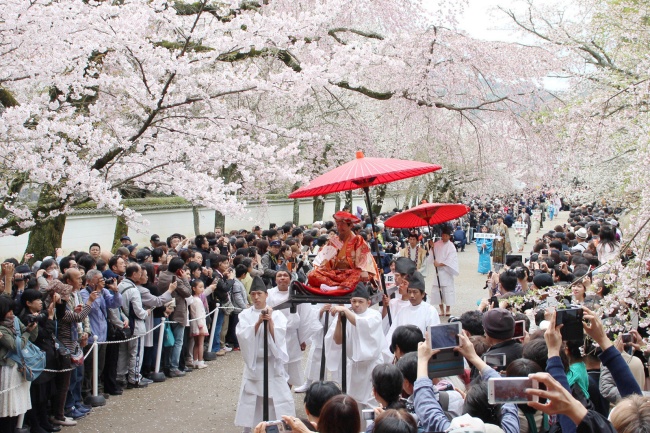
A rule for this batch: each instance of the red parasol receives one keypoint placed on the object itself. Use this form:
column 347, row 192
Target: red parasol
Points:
column 427, row 214
column 363, row 172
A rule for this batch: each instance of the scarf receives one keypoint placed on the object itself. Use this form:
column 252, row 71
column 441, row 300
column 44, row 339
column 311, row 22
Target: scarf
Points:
column 9, row 324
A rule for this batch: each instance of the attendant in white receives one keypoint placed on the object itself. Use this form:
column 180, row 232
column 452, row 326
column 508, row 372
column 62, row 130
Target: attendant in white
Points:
column 313, row 366
column 414, row 251
column 363, row 344
column 400, row 300
column 417, row 313
column 301, row 325
column 250, row 333
column 446, row 263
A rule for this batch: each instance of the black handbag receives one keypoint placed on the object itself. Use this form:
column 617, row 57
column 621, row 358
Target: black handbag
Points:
column 61, row 353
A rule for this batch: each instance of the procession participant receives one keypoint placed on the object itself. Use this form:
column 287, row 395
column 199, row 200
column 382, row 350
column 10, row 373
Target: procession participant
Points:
column 300, row 327
column 400, row 300
column 403, row 267
column 414, row 251
column 345, row 260
column 501, row 244
column 364, row 339
column 313, row 366
column 418, row 313
column 250, row 334
column 446, row 263
column 484, row 247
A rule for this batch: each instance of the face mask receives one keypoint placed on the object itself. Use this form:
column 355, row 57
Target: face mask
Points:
column 54, row 274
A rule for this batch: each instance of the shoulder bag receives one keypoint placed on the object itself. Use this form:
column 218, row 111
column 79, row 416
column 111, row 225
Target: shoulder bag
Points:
column 30, row 359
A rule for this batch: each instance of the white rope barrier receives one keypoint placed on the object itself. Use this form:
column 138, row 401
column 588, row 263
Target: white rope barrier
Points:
column 96, row 343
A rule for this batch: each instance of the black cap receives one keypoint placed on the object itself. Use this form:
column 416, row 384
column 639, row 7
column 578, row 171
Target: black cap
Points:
column 404, row 266
column 416, row 281
column 258, row 285
column 155, row 238
column 142, row 255
column 361, row 291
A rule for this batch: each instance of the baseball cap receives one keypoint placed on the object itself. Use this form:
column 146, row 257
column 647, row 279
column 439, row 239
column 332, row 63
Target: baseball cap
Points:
column 155, row 238
column 125, row 238
column 275, row 243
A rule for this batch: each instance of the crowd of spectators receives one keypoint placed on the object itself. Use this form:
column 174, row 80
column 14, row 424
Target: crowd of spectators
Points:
column 72, row 299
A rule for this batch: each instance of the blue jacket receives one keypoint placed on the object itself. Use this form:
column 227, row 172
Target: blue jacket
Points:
column 98, row 313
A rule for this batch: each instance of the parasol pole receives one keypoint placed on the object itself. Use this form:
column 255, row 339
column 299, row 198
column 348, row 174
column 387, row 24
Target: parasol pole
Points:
column 322, row 353
column 344, row 354
column 377, row 257
column 265, row 398
column 433, row 252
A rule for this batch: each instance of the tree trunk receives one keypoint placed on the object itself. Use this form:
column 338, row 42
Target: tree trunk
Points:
column 380, row 195
column 348, row 200
column 121, row 229
column 220, row 221
column 296, row 211
column 296, row 206
column 197, row 222
column 337, row 202
column 318, row 206
column 45, row 237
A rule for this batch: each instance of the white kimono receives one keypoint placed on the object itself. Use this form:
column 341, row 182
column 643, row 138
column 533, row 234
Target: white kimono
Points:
column 445, row 253
column 394, row 305
column 249, row 407
column 301, row 326
column 422, row 316
column 312, row 368
column 364, row 344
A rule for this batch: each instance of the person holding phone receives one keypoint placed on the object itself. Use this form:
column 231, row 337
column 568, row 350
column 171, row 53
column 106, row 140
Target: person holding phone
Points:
column 109, row 297
column 499, row 326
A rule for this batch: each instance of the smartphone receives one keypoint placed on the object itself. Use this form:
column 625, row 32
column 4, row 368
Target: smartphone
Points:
column 173, row 278
column 511, row 390
column 368, row 414
column 520, row 327
column 495, row 360
column 445, row 335
column 544, row 252
column 277, row 426
column 494, row 301
column 626, row 338
column 571, row 319
column 207, row 263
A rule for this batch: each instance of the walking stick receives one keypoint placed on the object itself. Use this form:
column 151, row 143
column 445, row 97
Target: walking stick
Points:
column 322, row 353
column 265, row 398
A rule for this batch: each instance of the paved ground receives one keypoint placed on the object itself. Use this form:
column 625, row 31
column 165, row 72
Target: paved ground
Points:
column 206, row 400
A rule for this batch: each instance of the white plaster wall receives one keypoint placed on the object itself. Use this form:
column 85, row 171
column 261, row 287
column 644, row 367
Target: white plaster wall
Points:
column 82, row 230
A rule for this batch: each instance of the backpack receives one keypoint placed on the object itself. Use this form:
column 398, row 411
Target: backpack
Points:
column 30, row 359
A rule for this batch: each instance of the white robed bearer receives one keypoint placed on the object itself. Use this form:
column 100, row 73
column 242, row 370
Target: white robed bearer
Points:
column 444, row 257
column 250, row 333
column 364, row 341
column 418, row 312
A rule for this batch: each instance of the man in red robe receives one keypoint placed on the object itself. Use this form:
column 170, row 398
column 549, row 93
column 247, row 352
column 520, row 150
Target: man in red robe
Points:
column 345, row 260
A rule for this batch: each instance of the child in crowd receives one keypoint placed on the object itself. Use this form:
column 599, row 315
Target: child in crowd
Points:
column 198, row 327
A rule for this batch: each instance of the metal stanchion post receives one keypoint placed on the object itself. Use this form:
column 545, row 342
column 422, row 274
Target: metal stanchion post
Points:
column 159, row 376
column 95, row 399
column 209, row 355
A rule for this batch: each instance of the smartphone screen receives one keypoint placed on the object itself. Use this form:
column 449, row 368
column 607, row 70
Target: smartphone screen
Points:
column 544, row 252
column 497, row 360
column 510, row 390
column 520, row 327
column 571, row 319
column 494, row 301
column 445, row 335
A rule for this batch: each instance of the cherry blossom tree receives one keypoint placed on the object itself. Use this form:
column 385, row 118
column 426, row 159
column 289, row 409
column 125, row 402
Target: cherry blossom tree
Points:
column 218, row 101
